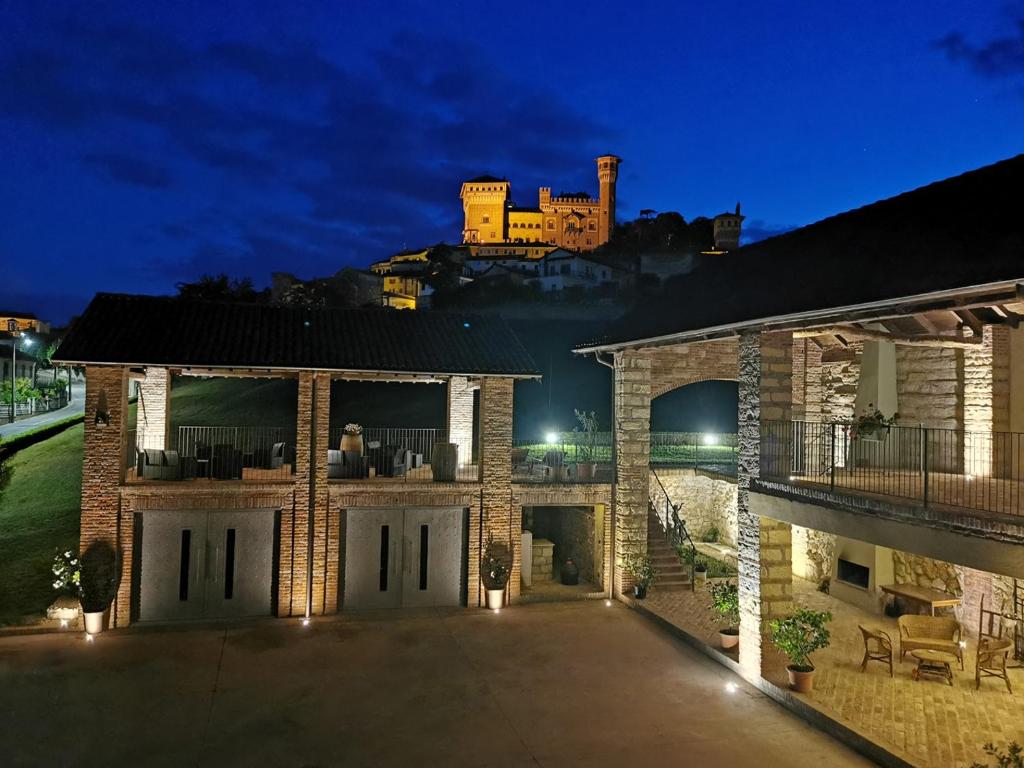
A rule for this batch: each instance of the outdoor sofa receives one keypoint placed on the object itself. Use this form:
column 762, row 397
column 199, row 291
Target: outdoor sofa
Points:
column 933, row 633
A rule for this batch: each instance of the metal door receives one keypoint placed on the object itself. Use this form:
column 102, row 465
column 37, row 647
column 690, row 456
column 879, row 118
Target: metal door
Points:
column 172, row 567
column 373, row 558
column 239, row 557
column 432, row 562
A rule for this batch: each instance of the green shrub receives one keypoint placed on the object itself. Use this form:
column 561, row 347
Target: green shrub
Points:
column 725, row 599
column 709, row 534
column 800, row 635
column 642, row 569
column 1013, row 757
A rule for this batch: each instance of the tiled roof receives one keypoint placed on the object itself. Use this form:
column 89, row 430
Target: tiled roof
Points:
column 22, row 315
column 485, row 179
column 957, row 233
column 156, row 330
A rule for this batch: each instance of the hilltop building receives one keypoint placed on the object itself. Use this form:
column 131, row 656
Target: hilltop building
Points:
column 576, row 221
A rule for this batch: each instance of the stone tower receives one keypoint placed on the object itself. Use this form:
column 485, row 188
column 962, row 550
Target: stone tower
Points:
column 485, row 202
column 727, row 227
column 607, row 173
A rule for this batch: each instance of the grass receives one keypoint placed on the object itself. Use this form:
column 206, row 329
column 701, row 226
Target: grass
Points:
column 684, row 454
column 39, row 510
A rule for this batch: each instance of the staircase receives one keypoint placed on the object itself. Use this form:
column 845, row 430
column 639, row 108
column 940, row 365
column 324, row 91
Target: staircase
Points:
column 672, row 575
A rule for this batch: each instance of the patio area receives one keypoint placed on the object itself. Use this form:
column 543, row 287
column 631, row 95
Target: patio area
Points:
column 925, row 722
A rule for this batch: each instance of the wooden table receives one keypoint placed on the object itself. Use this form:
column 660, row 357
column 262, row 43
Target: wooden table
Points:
column 933, row 598
column 933, row 664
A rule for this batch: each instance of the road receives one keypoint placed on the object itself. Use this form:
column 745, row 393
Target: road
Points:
column 24, row 425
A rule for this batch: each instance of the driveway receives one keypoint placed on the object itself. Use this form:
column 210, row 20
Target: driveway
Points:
column 75, row 407
column 547, row 685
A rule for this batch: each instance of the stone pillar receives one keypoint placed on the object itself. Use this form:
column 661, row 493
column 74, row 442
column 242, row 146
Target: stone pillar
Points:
column 460, row 417
column 154, row 407
column 495, row 454
column 764, row 546
column 106, row 412
column 310, row 429
column 632, row 435
column 987, row 404
column 325, row 520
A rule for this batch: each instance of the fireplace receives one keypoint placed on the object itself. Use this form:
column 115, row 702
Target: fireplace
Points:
column 854, row 574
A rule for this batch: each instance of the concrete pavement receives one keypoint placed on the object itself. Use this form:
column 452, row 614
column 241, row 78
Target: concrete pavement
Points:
column 574, row 684
column 75, row 407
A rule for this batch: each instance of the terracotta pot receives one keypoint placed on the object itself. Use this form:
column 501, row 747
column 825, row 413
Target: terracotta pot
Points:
column 801, row 682
column 94, row 622
column 729, row 638
column 495, row 598
column 352, row 443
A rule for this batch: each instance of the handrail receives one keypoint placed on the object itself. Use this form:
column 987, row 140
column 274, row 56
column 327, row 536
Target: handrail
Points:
column 675, row 527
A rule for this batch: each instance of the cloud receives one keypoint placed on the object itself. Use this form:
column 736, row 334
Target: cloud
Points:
column 999, row 57
column 130, row 170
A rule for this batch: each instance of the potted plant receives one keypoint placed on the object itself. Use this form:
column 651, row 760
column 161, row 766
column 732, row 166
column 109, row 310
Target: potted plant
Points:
column 798, row 636
column 700, row 573
column 570, row 573
column 67, row 577
column 644, row 574
column 725, row 599
column 872, row 424
column 494, row 571
column 98, row 584
column 586, row 444
column 352, row 439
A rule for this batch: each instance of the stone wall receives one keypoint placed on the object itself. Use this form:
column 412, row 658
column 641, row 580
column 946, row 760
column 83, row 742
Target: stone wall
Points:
column 676, row 366
column 928, row 382
column 909, row 568
column 572, row 531
column 706, row 502
column 814, row 554
column 840, row 372
column 632, row 382
column 460, row 417
column 153, row 409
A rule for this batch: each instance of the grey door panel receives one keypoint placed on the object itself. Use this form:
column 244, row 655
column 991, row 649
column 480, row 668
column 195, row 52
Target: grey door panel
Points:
column 433, row 566
column 373, row 557
column 173, row 566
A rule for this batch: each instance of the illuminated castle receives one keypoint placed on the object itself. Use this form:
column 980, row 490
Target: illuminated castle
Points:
column 576, row 222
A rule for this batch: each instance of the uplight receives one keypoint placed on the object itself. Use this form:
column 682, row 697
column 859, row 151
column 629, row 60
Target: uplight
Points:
column 607, row 603
column 305, row 622
column 731, row 687
column 497, row 610
column 88, row 638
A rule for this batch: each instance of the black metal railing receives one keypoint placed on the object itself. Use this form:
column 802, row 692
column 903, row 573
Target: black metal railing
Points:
column 951, row 467
column 673, row 526
column 711, row 451
column 409, row 454
column 562, row 458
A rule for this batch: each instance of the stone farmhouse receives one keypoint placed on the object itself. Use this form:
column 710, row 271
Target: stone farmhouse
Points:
column 911, row 306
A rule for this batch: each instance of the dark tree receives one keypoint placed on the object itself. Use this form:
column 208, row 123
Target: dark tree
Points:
column 222, row 288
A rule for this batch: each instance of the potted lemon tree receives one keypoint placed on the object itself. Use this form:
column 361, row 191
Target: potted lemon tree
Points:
column 725, row 600
column 495, row 567
column 798, row 636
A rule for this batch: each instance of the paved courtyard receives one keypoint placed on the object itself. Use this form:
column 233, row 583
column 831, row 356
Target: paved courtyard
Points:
column 569, row 684
column 927, row 722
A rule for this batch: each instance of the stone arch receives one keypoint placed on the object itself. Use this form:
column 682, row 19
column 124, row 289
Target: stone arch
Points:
column 678, row 366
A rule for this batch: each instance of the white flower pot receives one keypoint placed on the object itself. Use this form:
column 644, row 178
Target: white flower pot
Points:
column 495, row 598
column 94, row 622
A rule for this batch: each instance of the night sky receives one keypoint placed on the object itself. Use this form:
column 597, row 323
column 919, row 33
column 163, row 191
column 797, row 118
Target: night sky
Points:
column 145, row 144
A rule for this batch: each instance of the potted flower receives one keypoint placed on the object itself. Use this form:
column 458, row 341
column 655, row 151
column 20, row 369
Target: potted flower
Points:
column 494, row 571
column 872, row 424
column 725, row 599
column 700, row 573
column 586, row 444
column 352, row 439
column 798, row 636
column 67, row 576
column 644, row 574
column 98, row 584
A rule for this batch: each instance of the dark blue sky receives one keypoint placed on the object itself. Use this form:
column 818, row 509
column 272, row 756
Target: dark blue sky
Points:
column 146, row 143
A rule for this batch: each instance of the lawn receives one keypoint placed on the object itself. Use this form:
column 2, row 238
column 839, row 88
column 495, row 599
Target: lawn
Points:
column 39, row 510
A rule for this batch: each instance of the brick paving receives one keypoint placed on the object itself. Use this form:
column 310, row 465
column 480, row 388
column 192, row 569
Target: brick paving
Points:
column 925, row 722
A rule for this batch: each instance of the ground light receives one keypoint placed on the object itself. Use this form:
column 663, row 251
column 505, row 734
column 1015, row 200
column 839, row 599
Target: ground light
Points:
column 305, row 622
column 607, row 603
column 497, row 610
column 63, row 623
column 89, row 638
column 731, row 687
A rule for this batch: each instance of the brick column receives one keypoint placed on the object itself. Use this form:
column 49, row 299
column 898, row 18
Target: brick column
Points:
column 154, row 406
column 765, row 546
column 106, row 396
column 496, row 484
column 295, row 521
column 460, row 417
column 325, row 520
column 632, row 435
column 987, row 404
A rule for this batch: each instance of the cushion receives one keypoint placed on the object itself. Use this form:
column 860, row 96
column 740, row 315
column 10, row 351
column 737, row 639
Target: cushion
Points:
column 334, row 457
column 154, row 457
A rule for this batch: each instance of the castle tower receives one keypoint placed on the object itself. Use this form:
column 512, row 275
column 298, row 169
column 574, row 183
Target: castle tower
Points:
column 607, row 173
column 727, row 227
column 485, row 206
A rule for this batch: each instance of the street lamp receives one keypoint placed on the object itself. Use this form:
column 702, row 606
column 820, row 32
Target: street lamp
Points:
column 14, row 365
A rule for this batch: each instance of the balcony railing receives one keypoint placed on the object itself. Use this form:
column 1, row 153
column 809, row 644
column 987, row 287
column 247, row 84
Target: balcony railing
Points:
column 949, row 467
column 403, row 454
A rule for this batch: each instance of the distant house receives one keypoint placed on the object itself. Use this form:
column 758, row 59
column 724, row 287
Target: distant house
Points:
column 11, row 320
column 26, row 362
column 563, row 269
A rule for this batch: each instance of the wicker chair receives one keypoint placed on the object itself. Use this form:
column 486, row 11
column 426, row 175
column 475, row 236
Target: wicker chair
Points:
column 933, row 633
column 877, row 647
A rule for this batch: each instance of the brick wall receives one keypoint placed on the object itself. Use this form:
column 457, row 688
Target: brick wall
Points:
column 632, row 383
column 986, row 405
column 496, row 481
column 677, row 366
column 103, row 472
column 153, row 410
column 928, row 386
column 460, row 417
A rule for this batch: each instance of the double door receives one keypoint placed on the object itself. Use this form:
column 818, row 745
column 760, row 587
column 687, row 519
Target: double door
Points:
column 206, row 564
column 403, row 557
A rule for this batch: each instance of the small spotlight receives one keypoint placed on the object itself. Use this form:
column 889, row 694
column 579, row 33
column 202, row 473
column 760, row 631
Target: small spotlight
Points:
column 709, row 439
column 551, row 438
column 63, row 623
column 792, row 478
column 963, row 643
column 968, row 478
column 731, row 687
column 89, row 638
column 607, row 603
column 497, row 610
column 305, row 622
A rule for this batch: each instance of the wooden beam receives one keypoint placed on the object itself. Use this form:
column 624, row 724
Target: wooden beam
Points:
column 853, row 333
column 927, row 323
column 971, row 320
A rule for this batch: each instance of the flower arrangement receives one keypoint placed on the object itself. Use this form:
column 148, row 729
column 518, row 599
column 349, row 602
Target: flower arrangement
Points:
column 871, row 421
column 494, row 564
column 353, row 429
column 67, row 572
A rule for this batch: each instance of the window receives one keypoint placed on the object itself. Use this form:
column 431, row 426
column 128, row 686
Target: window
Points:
column 551, row 223
column 487, row 219
column 592, row 226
